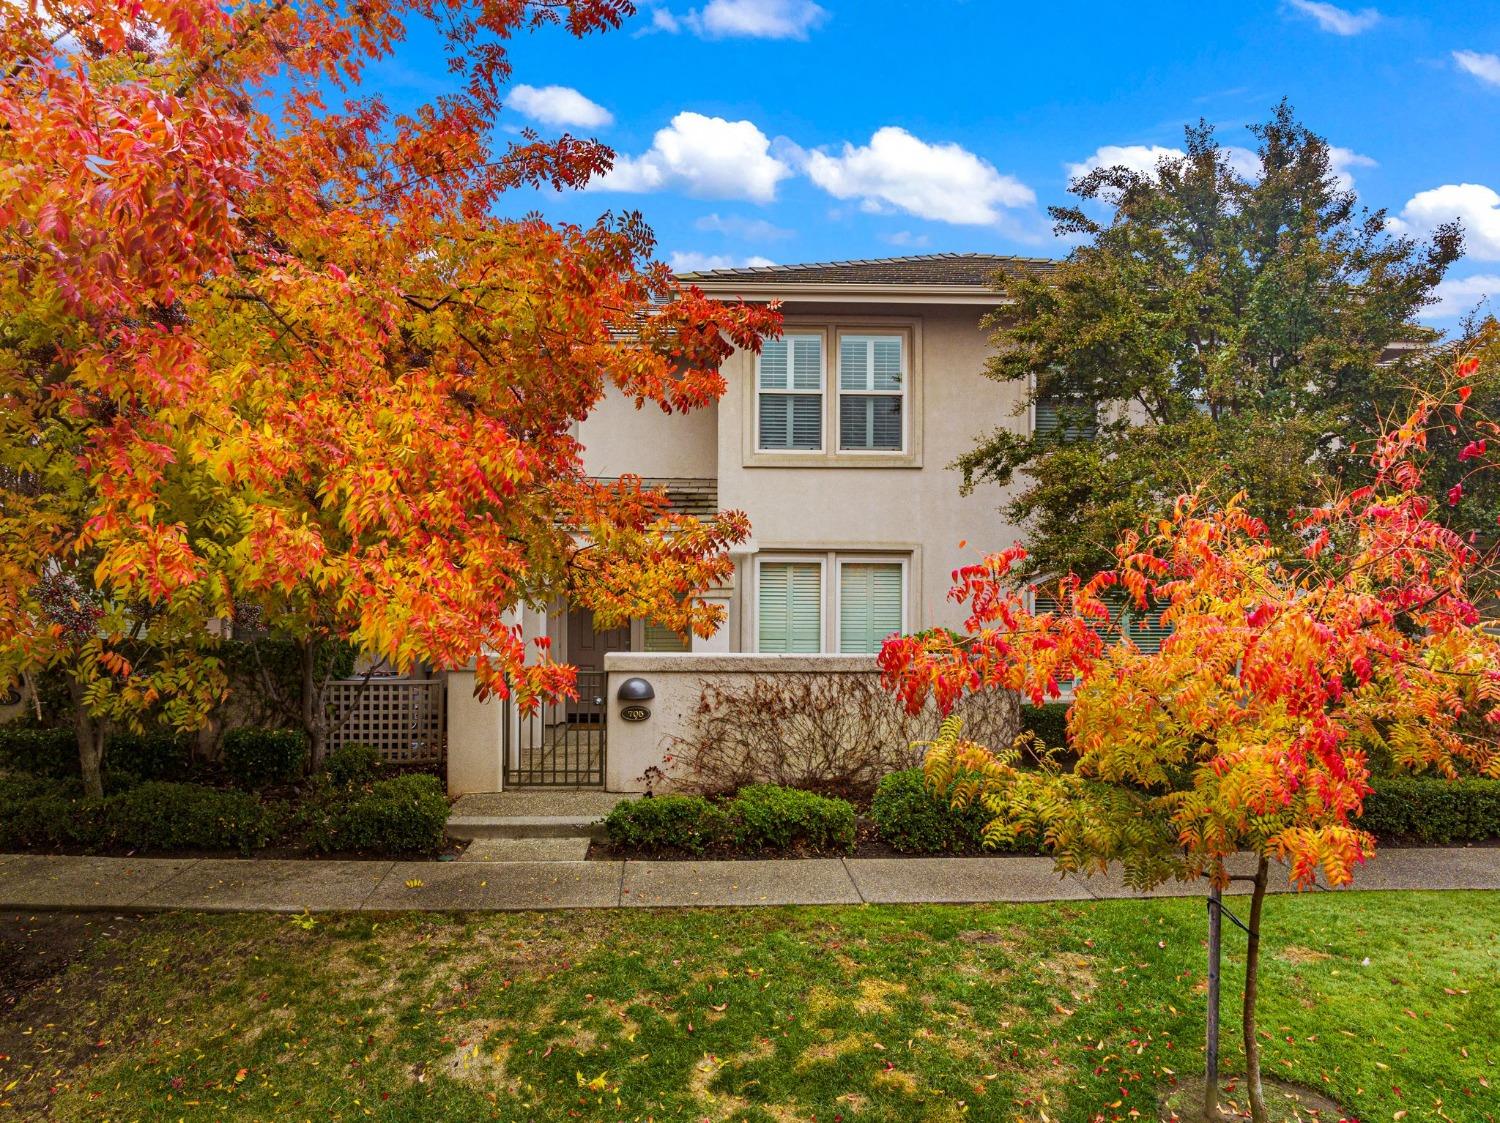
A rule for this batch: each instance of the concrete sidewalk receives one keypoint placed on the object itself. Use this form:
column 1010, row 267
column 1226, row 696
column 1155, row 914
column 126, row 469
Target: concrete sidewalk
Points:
column 29, row 881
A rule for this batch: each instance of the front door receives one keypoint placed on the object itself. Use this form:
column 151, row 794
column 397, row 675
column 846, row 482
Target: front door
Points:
column 587, row 647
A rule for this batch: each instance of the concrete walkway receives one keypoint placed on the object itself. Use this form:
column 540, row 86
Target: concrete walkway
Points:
column 230, row 885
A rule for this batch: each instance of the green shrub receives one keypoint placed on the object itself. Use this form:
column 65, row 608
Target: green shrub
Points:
column 164, row 816
column 405, row 815
column 349, row 765
column 42, row 752
column 1433, row 810
column 258, row 758
column 666, row 823
column 37, row 812
column 914, row 819
column 158, row 755
column 767, row 817
column 1048, row 721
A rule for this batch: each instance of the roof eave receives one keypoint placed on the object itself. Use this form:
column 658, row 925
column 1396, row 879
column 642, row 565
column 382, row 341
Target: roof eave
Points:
column 828, row 292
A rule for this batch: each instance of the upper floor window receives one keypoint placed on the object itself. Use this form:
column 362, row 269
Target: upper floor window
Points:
column 1066, row 422
column 872, row 393
column 789, row 394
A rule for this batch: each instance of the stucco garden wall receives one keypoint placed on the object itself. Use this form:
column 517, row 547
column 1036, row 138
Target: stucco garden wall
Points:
column 681, row 682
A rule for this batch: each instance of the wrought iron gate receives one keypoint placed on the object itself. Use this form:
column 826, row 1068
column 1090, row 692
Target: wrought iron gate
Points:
column 560, row 745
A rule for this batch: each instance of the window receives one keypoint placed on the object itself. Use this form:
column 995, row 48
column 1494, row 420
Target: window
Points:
column 789, row 606
column 789, row 394
column 659, row 638
column 1067, row 421
column 872, row 604
column 872, row 390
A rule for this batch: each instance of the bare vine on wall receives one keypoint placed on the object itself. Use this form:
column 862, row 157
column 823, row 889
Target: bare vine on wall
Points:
column 832, row 733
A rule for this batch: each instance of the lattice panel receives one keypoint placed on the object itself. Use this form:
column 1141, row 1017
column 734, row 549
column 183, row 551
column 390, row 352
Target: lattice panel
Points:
column 404, row 719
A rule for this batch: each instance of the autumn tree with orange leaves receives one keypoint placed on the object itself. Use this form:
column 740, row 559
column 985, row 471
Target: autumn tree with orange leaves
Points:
column 1253, row 727
column 266, row 343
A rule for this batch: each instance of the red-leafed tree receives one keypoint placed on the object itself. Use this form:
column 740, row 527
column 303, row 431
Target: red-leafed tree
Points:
column 1253, row 726
column 258, row 348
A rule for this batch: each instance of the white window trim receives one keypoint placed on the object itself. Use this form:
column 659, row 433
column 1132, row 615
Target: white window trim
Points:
column 790, row 391
column 843, row 559
column 905, row 340
column 813, row 558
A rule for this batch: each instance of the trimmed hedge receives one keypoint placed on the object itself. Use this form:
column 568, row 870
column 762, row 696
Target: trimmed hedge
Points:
column 259, row 758
column 157, row 755
column 767, row 817
column 1049, row 722
column 761, row 817
column 1433, row 810
column 353, row 764
column 42, row 752
column 163, row 816
column 406, row 815
column 665, row 823
column 913, row 819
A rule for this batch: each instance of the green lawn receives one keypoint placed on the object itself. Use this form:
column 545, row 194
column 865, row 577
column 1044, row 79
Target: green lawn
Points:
column 1055, row 1011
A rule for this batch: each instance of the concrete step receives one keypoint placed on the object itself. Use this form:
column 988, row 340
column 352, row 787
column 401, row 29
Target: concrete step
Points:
column 532, row 814
column 526, row 850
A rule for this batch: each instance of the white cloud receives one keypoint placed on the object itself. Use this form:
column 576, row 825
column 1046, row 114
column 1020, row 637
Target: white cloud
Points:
column 1459, row 295
column 1338, row 20
column 737, row 226
column 944, row 182
column 690, row 261
column 1143, row 158
column 1341, row 161
column 1473, row 204
column 742, row 19
column 704, row 156
column 757, row 19
column 1484, row 67
column 1140, row 158
column 560, row 105
column 907, row 239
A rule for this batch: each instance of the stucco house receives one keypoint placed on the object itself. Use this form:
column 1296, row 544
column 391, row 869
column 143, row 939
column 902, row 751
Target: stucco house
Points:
column 837, row 441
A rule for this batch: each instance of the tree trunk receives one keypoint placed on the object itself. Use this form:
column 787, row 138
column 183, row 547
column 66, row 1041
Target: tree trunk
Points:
column 90, row 733
column 314, row 720
column 1215, row 949
column 1252, row 985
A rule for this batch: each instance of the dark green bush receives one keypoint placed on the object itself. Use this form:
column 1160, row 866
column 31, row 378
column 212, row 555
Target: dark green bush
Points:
column 258, row 758
column 405, row 815
column 37, row 812
column 666, row 823
column 767, row 817
column 165, row 816
column 348, row 765
column 42, row 752
column 1048, row 721
column 914, row 819
column 1433, row 810
column 158, row 755
column 761, row 817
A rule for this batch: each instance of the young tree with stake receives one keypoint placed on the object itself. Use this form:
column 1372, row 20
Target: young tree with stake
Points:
column 1252, row 728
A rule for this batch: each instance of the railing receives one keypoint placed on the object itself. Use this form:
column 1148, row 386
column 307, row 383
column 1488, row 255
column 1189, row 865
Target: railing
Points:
column 405, row 719
column 560, row 745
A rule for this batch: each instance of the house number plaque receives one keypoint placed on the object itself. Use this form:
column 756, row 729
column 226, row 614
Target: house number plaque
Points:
column 634, row 713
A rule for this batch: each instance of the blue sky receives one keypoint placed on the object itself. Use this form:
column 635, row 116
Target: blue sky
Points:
column 794, row 130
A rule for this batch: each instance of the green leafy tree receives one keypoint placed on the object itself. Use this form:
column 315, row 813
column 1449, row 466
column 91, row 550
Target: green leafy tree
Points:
column 1244, row 330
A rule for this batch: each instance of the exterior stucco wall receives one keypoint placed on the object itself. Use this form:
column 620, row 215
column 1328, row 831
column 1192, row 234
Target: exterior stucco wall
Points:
column 911, row 509
column 680, row 683
column 618, row 438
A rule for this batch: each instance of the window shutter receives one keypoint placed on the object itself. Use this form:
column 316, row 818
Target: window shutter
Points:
column 887, row 364
column 776, row 421
column 854, row 371
column 807, row 362
column 790, row 607
column 773, row 364
column 1049, row 419
column 658, row 638
column 1146, row 629
column 870, row 597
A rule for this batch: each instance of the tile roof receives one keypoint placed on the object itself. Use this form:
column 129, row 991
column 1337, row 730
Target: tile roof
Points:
column 960, row 270
column 685, row 495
